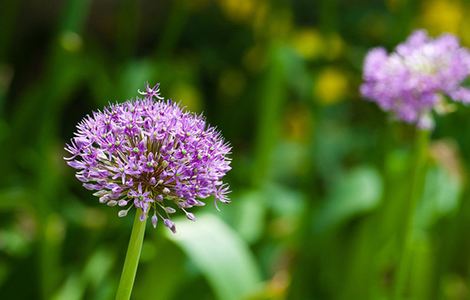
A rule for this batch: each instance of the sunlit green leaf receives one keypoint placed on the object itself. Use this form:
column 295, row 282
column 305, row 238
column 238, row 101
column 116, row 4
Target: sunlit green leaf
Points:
column 248, row 212
column 355, row 192
column 220, row 254
column 440, row 197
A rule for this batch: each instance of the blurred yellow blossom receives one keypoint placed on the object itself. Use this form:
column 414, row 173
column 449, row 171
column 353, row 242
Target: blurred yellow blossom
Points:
column 331, row 86
column 238, row 10
column 279, row 24
column 298, row 123
column 442, row 16
column 465, row 34
column 308, row 43
column 187, row 94
column 255, row 13
column 260, row 16
column 198, row 5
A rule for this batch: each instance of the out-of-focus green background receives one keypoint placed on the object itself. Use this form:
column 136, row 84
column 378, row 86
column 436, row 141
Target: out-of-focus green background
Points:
column 319, row 175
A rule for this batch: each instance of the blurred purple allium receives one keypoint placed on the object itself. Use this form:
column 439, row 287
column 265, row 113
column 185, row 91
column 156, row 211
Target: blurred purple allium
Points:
column 151, row 155
column 412, row 81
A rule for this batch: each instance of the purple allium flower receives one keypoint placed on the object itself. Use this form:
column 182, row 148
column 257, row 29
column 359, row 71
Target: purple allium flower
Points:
column 411, row 81
column 151, row 155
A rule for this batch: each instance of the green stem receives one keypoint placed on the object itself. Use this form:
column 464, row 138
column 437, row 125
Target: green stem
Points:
column 132, row 258
column 415, row 190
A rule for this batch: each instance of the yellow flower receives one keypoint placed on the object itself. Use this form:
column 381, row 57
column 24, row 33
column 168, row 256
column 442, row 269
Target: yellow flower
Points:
column 298, row 123
column 307, row 43
column 238, row 10
column 311, row 44
column 442, row 16
column 330, row 86
column 187, row 94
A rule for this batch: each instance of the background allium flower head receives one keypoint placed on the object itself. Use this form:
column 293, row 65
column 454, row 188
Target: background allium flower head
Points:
column 411, row 81
column 151, row 155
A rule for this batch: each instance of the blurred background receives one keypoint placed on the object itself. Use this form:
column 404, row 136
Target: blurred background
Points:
column 319, row 175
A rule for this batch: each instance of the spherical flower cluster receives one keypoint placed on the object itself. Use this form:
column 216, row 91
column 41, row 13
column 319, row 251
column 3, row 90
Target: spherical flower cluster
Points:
column 411, row 81
column 152, row 155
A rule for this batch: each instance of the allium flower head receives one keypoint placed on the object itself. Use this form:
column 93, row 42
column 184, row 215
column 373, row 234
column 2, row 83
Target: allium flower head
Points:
column 411, row 81
column 151, row 155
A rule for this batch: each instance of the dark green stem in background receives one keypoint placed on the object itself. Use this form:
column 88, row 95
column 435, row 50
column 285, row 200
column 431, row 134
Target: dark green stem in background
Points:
column 132, row 258
column 272, row 97
column 416, row 182
column 58, row 80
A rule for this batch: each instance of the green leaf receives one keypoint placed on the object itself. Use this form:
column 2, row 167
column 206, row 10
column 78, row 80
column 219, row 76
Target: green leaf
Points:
column 220, row 254
column 13, row 198
column 71, row 290
column 93, row 275
column 134, row 76
column 152, row 268
column 248, row 214
column 355, row 192
column 440, row 197
column 285, row 202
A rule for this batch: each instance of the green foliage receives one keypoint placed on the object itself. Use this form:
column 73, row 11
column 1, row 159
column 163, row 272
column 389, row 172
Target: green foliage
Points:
column 220, row 254
column 321, row 179
column 358, row 191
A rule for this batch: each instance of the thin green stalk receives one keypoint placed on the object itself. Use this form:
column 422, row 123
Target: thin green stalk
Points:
column 132, row 259
column 415, row 189
column 271, row 101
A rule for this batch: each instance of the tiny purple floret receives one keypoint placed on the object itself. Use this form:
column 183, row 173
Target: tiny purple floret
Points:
column 152, row 155
column 411, row 81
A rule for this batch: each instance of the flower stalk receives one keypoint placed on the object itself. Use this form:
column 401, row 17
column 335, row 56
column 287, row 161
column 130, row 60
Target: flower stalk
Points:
column 132, row 258
column 417, row 175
